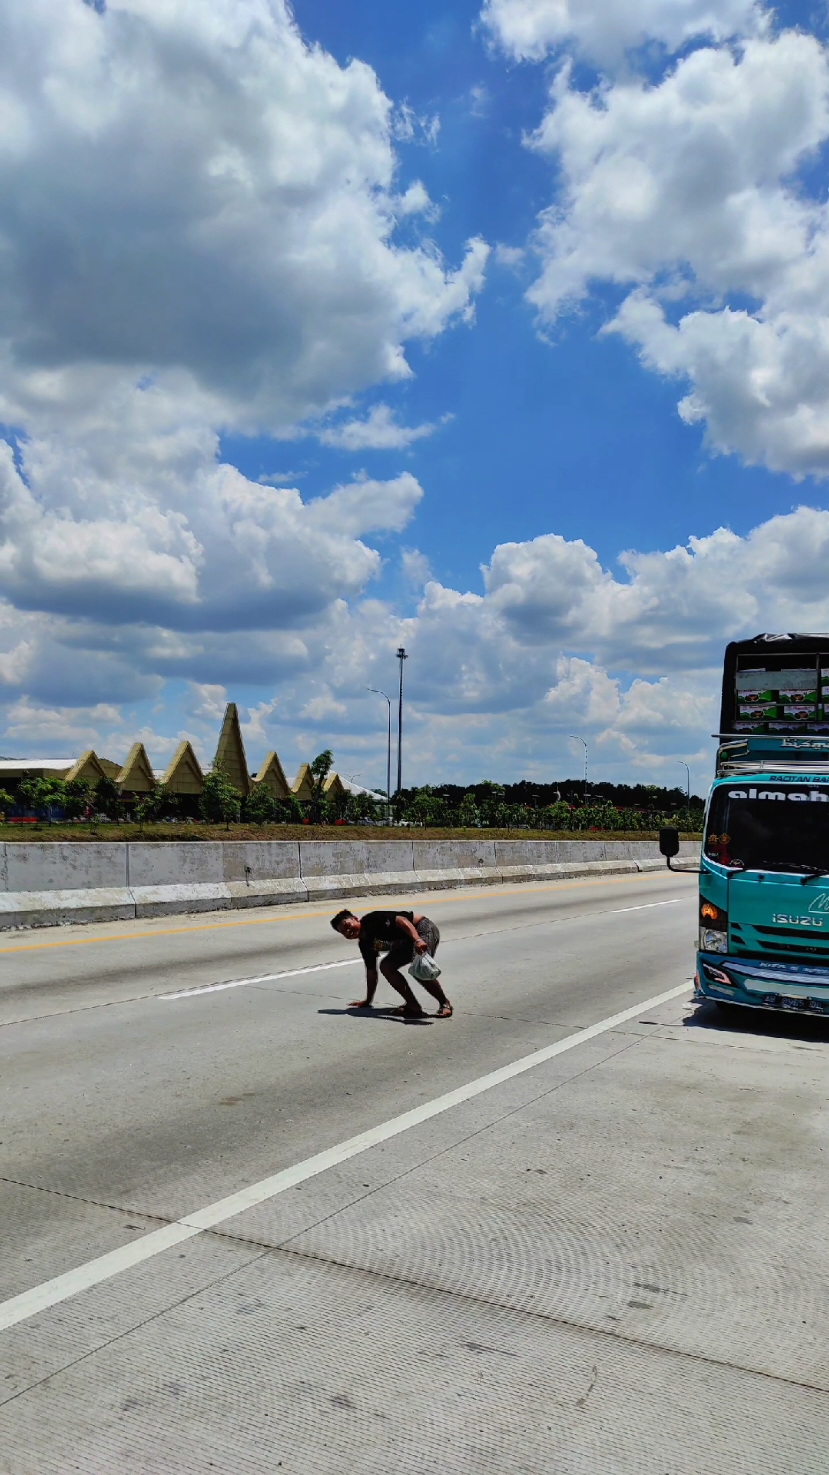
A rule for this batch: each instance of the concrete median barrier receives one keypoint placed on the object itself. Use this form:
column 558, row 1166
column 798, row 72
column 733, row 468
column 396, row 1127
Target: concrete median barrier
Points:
column 454, row 855
column 174, row 863
column 40, row 866
column 266, row 893
column 252, row 861
column 165, row 901
column 52, row 885
column 336, row 888
column 63, row 908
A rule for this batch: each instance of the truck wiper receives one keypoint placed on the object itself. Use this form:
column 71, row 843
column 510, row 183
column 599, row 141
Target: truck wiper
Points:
column 812, row 873
column 793, row 865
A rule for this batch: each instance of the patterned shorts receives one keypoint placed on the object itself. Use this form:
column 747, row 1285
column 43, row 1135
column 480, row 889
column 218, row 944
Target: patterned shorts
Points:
column 403, row 951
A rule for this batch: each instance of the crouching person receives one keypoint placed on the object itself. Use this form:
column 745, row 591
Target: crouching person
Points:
column 398, row 935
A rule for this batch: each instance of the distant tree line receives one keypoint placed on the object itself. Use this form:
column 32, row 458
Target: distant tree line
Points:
column 522, row 806
column 555, row 806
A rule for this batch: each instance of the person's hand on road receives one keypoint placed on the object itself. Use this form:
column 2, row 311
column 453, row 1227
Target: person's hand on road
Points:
column 361, row 1004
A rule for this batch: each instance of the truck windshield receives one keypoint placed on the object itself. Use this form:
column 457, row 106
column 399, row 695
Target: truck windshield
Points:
column 772, row 827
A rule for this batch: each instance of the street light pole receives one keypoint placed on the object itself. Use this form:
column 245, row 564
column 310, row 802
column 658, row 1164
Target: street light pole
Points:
column 576, row 739
column 401, row 656
column 684, row 765
column 379, row 693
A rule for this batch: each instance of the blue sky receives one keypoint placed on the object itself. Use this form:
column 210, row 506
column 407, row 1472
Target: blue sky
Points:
column 557, row 418
column 533, row 418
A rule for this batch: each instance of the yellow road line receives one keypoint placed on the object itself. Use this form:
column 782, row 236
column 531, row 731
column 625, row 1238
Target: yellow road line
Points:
column 433, row 898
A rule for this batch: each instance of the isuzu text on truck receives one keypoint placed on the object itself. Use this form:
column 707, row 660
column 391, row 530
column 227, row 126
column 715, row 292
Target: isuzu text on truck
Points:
column 764, row 870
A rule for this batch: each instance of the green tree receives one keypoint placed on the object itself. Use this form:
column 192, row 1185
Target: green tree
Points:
column 596, row 816
column 144, row 811
column 689, row 820
column 428, row 808
column 6, row 802
column 360, row 808
column 291, row 811
column 78, row 798
column 491, row 799
column 554, row 816
column 158, row 804
column 220, row 800
column 43, row 795
column 468, row 815
column 260, row 807
column 108, row 798
column 320, row 769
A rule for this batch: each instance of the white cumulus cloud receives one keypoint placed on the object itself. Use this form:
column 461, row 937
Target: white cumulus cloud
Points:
column 551, row 643
column 192, row 189
column 687, row 192
column 379, row 431
column 198, row 216
column 557, row 643
column 604, row 29
column 211, row 550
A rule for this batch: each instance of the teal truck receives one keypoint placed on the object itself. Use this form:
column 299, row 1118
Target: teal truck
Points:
column 764, row 870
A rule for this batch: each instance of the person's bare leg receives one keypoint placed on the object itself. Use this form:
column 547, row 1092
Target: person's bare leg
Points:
column 432, row 987
column 399, row 984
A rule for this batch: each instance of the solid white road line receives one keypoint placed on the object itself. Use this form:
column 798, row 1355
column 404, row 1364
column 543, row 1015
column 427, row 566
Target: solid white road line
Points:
column 213, row 988
column 63, row 1287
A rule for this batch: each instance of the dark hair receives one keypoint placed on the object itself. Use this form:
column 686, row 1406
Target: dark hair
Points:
column 340, row 917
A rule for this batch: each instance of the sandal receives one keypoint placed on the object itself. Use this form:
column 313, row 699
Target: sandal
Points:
column 445, row 1011
column 405, row 1011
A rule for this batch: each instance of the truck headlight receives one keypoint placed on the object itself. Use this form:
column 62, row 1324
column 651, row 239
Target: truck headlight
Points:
column 713, row 941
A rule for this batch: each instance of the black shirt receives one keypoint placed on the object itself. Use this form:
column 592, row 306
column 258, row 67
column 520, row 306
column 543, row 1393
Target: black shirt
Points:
column 379, row 932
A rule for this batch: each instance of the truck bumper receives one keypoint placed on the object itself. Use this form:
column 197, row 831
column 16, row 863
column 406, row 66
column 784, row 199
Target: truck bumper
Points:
column 757, row 983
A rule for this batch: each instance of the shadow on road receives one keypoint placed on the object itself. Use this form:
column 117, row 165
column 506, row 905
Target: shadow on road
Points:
column 759, row 1022
column 385, row 1015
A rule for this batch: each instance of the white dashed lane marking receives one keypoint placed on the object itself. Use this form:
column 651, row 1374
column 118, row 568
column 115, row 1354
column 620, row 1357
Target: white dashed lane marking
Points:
column 213, row 988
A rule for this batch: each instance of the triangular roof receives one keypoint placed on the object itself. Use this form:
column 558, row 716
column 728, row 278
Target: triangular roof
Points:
column 86, row 767
column 184, row 775
column 136, row 776
column 272, row 775
column 230, row 753
column 334, row 787
column 303, row 785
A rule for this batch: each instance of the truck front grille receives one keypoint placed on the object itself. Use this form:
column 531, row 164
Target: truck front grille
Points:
column 761, row 941
column 788, row 947
column 805, row 932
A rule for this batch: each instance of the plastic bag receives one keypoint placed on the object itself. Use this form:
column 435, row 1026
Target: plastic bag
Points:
column 423, row 968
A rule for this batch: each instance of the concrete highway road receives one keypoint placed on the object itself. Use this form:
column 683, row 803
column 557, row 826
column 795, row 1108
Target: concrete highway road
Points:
column 579, row 1227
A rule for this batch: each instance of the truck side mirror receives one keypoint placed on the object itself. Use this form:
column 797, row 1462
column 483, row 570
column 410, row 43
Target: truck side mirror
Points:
column 669, row 842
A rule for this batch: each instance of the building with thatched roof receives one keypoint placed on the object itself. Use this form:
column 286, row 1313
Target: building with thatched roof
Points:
column 272, row 775
column 230, row 752
column 136, row 775
column 184, row 774
column 302, row 787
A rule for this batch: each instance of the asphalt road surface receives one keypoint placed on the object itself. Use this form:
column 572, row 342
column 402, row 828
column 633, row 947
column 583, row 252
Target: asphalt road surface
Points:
column 580, row 1227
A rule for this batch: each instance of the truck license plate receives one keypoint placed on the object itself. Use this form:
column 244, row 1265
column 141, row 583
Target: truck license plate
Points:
column 795, row 1005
